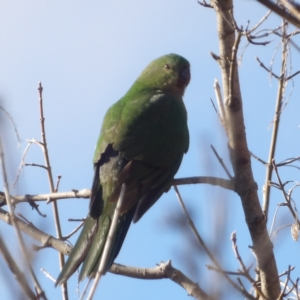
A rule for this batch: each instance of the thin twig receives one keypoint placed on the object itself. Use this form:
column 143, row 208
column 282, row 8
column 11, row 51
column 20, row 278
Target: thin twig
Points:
column 40, row 292
column 208, row 252
column 264, row 67
column 273, row 144
column 283, row 291
column 220, row 102
column 273, row 222
column 281, row 11
column 287, row 161
column 221, row 162
column 205, row 4
column 259, row 159
column 261, row 21
column 64, row 287
column 20, row 277
column 35, row 165
column 245, row 271
column 10, row 118
column 21, row 164
column 287, row 200
column 57, row 183
column 66, row 237
column 47, row 274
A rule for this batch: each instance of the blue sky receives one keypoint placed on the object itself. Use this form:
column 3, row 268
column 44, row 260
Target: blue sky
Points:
column 87, row 54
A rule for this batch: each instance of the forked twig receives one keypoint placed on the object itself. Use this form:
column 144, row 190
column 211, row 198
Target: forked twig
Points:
column 286, row 198
column 245, row 271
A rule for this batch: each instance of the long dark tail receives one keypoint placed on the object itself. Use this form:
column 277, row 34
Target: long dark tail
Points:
column 89, row 246
column 93, row 258
column 79, row 251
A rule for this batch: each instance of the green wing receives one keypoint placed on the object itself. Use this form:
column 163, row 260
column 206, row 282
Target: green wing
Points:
column 152, row 137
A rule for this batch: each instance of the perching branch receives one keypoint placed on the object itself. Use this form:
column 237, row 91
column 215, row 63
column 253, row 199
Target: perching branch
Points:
column 161, row 271
column 85, row 193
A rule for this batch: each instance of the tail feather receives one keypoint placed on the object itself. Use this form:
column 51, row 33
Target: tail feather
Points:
column 79, row 251
column 93, row 257
column 96, row 247
column 120, row 234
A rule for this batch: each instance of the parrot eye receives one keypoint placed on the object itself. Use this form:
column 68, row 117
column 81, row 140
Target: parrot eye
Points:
column 167, row 66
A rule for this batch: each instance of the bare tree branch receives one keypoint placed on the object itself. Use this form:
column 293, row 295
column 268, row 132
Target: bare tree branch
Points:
column 239, row 153
column 163, row 270
column 281, row 11
column 85, row 193
column 20, row 277
column 40, row 292
column 64, row 286
column 244, row 271
column 45, row 239
column 280, row 94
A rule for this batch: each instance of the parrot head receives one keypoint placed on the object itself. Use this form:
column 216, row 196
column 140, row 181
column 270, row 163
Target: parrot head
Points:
column 169, row 72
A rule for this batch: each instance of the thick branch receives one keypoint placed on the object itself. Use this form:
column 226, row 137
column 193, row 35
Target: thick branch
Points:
column 46, row 239
column 239, row 153
column 281, row 11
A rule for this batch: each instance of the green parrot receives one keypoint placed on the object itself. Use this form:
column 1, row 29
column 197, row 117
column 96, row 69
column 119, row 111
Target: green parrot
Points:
column 141, row 144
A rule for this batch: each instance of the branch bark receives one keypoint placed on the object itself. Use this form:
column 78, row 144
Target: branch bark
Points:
column 245, row 185
column 45, row 239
